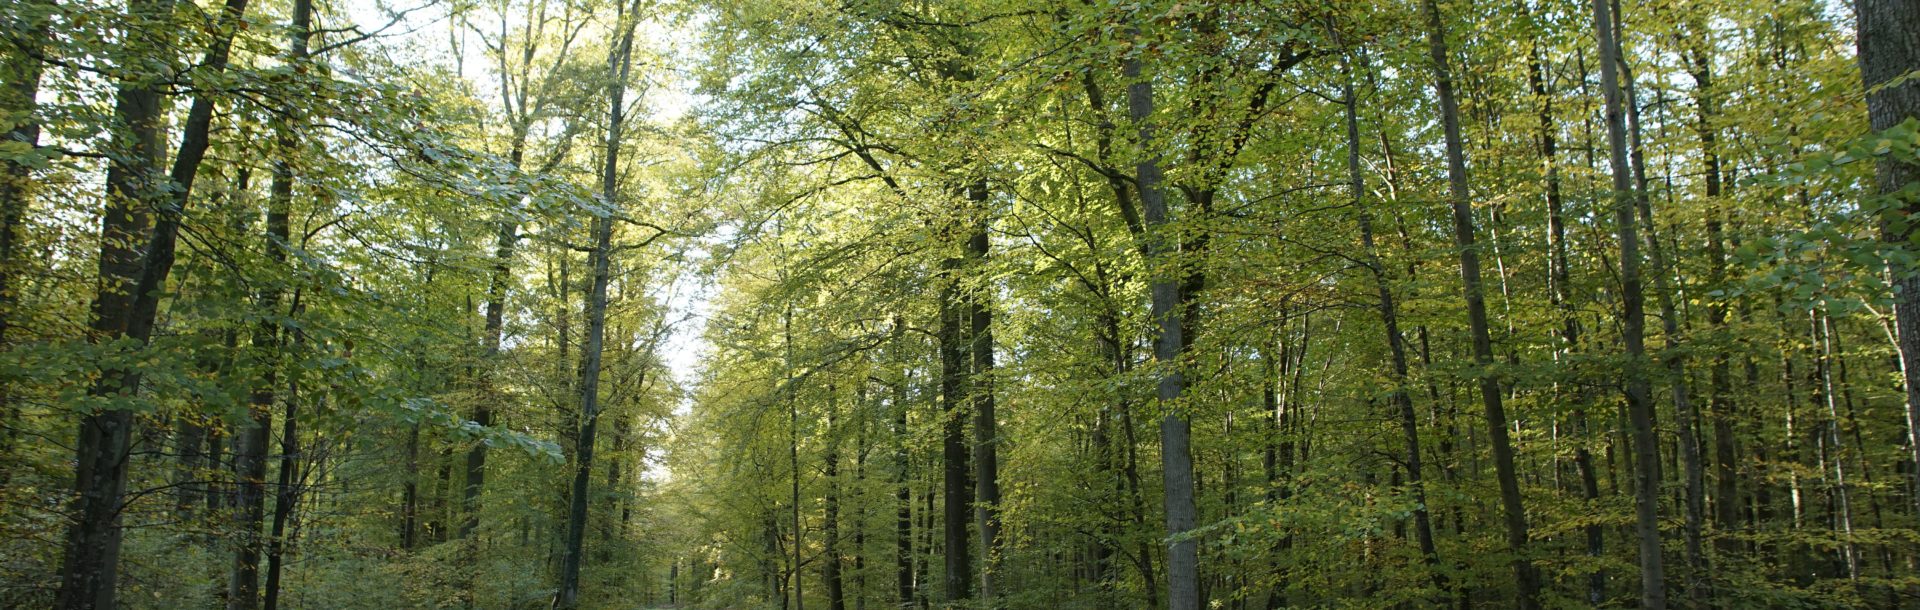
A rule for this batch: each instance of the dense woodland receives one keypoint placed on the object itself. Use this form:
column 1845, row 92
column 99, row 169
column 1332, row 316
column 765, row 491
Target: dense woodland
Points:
column 959, row 304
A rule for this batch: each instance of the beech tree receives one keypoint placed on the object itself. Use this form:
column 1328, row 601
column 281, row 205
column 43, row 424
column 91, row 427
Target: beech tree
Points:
column 971, row 304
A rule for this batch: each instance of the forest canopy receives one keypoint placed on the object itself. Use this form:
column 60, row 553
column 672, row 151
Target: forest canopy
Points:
column 989, row 304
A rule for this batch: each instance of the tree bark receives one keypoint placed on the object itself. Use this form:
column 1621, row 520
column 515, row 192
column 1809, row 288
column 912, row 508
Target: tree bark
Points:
column 903, row 490
column 1560, row 283
column 89, row 566
column 1176, row 432
column 790, row 391
column 955, row 496
column 505, row 238
column 410, row 492
column 280, row 239
column 830, row 520
column 986, row 460
column 1396, row 342
column 288, row 492
column 1118, row 351
column 619, row 65
column 1646, row 457
column 128, row 295
column 1726, row 494
column 1693, row 479
column 1525, row 579
column 250, row 454
column 1889, row 45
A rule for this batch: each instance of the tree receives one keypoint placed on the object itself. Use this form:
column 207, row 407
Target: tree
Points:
column 619, row 67
column 1183, row 562
column 1887, row 52
column 738, row 303
column 1646, row 456
column 1459, row 198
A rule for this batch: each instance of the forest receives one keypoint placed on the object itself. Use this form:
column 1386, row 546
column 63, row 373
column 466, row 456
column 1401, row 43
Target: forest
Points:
column 959, row 304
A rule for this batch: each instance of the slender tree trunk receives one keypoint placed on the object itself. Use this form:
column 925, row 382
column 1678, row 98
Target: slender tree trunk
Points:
column 619, row 65
column 1524, row 576
column 590, row 365
column 506, row 236
column 863, row 515
column 410, row 492
column 1693, row 480
column 986, row 460
column 1176, row 432
column 1396, row 343
column 251, row 448
column 482, row 413
column 1105, row 461
column 1727, row 505
column 953, row 456
column 476, row 466
column 1122, row 358
column 1842, row 508
column 1890, row 49
column 830, row 563
column 776, row 574
column 288, row 492
column 1646, row 458
column 903, row 489
column 791, row 392
column 280, row 239
column 1560, row 279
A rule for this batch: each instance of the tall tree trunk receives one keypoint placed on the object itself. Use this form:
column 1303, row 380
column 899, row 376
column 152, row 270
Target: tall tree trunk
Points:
column 1560, row 280
column 1842, row 507
column 790, row 391
column 1120, row 353
column 506, row 236
column 251, row 448
column 410, row 492
column 288, row 492
column 1726, row 493
column 1396, row 342
column 986, row 439
column 1490, row 395
column 1176, row 432
column 476, row 467
column 863, row 515
column 1646, row 458
column 129, row 292
column 953, row 454
column 299, row 31
column 482, row 413
column 1890, row 49
column 830, row 563
column 1693, row 479
column 776, row 574
column 91, row 556
column 619, row 65
column 903, row 489
column 1105, row 461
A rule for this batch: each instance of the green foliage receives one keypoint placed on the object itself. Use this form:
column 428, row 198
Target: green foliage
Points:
column 795, row 218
